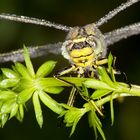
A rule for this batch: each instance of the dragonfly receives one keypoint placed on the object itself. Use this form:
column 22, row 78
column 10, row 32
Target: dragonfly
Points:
column 84, row 47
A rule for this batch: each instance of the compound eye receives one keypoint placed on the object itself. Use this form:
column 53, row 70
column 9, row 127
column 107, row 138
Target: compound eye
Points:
column 91, row 40
column 95, row 43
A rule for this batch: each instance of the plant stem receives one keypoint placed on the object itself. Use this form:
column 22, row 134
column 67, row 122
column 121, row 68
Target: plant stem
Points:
column 124, row 91
column 120, row 90
column 49, row 81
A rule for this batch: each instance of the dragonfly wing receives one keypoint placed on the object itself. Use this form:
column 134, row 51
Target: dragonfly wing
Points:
column 122, row 33
column 36, row 51
column 36, row 21
column 114, row 12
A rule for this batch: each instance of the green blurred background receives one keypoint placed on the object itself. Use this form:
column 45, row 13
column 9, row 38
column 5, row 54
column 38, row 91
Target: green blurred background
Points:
column 72, row 13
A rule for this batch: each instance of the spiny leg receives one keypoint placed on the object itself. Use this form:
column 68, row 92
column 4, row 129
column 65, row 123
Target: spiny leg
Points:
column 72, row 95
column 95, row 106
column 101, row 62
column 98, row 63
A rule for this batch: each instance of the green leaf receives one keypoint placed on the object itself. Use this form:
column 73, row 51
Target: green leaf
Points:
column 54, row 90
column 10, row 73
column 112, row 108
column 8, row 83
column 99, row 93
column 7, row 95
column 72, row 116
column 66, row 106
column 22, row 70
column 1, row 77
column 101, row 132
column 95, row 122
column 28, row 62
column 45, row 69
column 110, row 61
column 113, row 75
column 104, row 76
column 99, row 126
column 85, row 92
column 21, row 112
column 24, row 84
column 37, row 108
column 25, row 95
column 4, row 119
column 14, row 110
column 96, row 84
column 7, row 106
column 1, row 103
column 53, row 82
column 76, row 115
column 50, row 103
column 91, row 121
column 15, row 69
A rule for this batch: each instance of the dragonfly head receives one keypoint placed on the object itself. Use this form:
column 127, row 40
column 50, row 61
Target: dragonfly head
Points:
column 84, row 45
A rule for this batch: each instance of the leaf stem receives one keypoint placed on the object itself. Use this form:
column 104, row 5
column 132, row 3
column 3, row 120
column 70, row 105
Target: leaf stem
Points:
column 134, row 90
